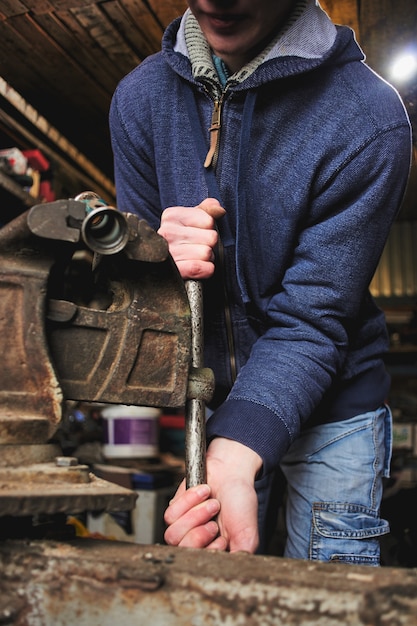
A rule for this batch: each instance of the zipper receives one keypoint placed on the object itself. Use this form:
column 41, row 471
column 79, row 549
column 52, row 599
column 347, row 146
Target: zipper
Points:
column 211, row 161
column 214, row 130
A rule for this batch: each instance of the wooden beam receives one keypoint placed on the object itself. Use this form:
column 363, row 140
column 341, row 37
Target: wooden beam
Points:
column 108, row 582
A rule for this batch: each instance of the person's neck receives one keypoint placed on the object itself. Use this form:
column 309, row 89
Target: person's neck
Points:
column 236, row 62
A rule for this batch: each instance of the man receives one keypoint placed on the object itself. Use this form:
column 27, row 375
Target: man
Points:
column 274, row 161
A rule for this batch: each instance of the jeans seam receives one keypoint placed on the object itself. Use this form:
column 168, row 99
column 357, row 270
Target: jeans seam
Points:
column 338, row 438
column 377, row 460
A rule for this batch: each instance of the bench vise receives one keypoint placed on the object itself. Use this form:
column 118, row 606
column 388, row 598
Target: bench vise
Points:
column 92, row 309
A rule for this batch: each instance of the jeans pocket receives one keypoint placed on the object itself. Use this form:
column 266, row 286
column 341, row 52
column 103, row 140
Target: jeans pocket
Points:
column 347, row 533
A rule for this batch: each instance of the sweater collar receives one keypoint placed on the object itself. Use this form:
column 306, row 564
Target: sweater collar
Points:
column 294, row 40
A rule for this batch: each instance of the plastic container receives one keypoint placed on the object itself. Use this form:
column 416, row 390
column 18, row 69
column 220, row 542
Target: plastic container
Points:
column 130, row 431
column 172, row 434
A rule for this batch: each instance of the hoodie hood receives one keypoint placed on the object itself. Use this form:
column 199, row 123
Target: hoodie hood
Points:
column 294, row 48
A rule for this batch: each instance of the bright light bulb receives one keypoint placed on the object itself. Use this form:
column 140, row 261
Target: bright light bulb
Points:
column 404, row 67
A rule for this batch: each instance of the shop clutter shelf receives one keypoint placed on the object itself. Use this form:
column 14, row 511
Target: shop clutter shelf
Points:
column 22, row 181
column 398, row 506
column 8, row 184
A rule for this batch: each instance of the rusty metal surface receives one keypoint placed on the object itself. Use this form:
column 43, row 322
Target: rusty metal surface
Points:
column 136, row 352
column 92, row 309
column 49, row 489
column 102, row 583
column 16, row 455
column 116, row 333
column 30, row 395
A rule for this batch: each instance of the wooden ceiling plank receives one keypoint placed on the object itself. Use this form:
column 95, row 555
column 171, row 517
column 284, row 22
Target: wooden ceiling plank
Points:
column 65, row 94
column 83, row 39
column 388, row 26
column 72, row 41
column 106, row 36
column 145, row 21
column 43, row 52
column 9, row 8
column 344, row 12
column 66, row 5
column 168, row 10
column 37, row 7
column 15, row 67
column 79, row 113
column 136, row 38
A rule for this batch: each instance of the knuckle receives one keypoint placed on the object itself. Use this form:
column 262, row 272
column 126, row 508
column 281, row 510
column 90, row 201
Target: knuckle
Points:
column 195, row 268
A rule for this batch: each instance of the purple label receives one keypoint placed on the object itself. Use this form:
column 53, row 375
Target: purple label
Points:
column 132, row 431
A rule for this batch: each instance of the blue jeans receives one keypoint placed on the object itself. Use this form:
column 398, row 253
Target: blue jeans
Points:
column 334, row 474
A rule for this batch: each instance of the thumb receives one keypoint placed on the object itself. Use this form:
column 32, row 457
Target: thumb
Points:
column 212, row 207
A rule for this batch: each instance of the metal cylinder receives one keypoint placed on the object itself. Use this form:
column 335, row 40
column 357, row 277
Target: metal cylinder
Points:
column 105, row 230
column 195, row 423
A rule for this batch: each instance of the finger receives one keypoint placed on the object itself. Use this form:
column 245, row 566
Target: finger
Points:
column 187, row 216
column 180, row 234
column 200, row 249
column 200, row 537
column 219, row 543
column 193, row 523
column 212, row 207
column 195, row 270
column 185, row 500
column 191, row 251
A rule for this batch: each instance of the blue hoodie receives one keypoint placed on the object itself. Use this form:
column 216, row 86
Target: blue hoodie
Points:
column 311, row 167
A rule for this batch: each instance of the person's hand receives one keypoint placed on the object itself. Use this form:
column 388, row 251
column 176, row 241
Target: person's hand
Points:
column 222, row 516
column 191, row 236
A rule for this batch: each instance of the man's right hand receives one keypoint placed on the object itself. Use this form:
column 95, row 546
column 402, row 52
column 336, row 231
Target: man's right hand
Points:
column 222, row 516
column 191, row 235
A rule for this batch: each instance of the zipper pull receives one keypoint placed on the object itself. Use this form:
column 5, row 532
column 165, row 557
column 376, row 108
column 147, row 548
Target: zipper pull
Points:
column 214, row 131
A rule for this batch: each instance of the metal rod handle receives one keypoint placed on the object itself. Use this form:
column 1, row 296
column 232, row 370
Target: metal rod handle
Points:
column 195, row 419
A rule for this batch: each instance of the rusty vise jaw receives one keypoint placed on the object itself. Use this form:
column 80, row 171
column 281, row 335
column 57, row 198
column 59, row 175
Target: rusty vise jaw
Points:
column 92, row 309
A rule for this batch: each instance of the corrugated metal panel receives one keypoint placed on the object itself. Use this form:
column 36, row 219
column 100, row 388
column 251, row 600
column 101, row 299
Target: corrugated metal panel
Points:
column 396, row 275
